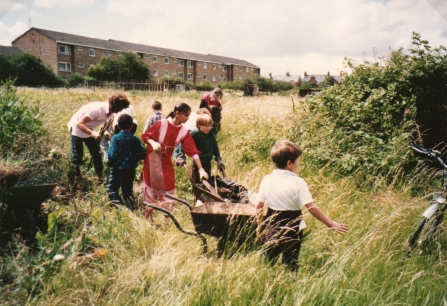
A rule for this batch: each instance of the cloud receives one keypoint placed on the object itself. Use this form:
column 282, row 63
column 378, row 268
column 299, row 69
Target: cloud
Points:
column 63, row 4
column 8, row 34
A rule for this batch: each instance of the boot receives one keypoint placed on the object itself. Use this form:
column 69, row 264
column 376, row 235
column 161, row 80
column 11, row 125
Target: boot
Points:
column 100, row 178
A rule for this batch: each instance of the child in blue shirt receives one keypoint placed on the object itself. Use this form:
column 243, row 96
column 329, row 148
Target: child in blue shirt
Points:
column 124, row 153
column 154, row 118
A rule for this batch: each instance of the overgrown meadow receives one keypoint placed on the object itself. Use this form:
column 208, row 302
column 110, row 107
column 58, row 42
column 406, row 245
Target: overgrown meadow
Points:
column 113, row 257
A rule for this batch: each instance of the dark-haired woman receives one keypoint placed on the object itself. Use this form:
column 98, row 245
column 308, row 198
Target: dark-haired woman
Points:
column 158, row 172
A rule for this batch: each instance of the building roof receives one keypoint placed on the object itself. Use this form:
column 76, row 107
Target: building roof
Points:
column 286, row 77
column 319, row 77
column 9, row 50
column 116, row 45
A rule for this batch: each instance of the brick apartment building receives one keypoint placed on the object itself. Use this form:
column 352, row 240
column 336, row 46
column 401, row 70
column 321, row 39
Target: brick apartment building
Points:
column 68, row 53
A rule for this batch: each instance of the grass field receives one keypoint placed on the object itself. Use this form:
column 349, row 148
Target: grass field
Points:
column 155, row 264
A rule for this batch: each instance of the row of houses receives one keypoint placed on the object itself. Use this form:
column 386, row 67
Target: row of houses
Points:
column 68, row 53
column 298, row 81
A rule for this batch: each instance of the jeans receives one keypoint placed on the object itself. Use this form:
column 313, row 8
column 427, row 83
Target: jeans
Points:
column 77, row 153
column 121, row 178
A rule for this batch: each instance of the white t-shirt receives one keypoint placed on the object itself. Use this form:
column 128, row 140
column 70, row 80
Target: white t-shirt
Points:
column 97, row 111
column 130, row 111
column 284, row 190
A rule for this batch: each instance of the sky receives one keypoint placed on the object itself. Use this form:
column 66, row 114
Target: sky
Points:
column 278, row 36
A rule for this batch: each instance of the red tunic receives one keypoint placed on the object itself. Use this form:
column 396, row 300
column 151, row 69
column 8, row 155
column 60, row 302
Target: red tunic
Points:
column 172, row 136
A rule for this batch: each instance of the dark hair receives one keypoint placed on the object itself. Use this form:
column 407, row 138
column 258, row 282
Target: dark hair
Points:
column 283, row 151
column 125, row 122
column 181, row 108
column 118, row 102
column 156, row 105
column 217, row 92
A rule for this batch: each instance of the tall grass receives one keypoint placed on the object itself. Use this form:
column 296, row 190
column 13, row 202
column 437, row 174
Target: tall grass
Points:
column 154, row 264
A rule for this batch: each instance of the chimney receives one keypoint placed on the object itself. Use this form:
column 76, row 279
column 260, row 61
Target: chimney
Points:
column 270, row 76
column 305, row 73
column 287, row 73
column 328, row 74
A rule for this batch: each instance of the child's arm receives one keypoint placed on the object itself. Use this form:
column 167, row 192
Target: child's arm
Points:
column 320, row 216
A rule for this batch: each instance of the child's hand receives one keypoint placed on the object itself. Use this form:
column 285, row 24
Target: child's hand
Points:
column 339, row 228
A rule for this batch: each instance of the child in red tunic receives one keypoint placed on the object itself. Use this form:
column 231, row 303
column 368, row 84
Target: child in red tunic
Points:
column 158, row 172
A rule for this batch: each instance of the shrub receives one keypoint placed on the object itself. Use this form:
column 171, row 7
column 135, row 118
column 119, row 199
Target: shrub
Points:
column 27, row 70
column 75, row 79
column 17, row 119
column 364, row 123
column 127, row 67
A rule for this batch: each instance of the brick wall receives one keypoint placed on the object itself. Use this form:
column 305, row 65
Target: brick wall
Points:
column 35, row 43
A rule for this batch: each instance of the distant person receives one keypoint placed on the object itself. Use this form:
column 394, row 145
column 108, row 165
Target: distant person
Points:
column 206, row 143
column 124, row 153
column 158, row 173
column 129, row 111
column 285, row 194
column 211, row 101
column 82, row 125
column 155, row 117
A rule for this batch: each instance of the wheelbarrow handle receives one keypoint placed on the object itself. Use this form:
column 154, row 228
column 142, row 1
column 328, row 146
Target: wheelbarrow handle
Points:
column 179, row 200
column 188, row 232
column 224, row 175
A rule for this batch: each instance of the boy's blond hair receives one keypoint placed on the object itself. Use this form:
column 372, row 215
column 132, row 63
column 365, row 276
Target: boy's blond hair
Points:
column 204, row 119
column 283, row 151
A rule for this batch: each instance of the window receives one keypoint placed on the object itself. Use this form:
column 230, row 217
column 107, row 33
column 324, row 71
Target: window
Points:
column 251, row 68
column 220, row 66
column 118, row 53
column 219, row 77
column 63, row 49
column 240, row 68
column 205, row 65
column 214, row 66
column 166, row 73
column 174, row 73
column 166, row 60
column 190, row 64
column 174, row 59
column 190, row 77
column 214, row 78
column 65, row 66
column 204, row 76
column 147, row 55
column 180, row 75
column 155, row 72
column 80, row 65
column 224, row 68
column 155, row 59
column 80, row 48
column 224, row 79
column 91, row 52
column 240, row 78
column 246, row 69
column 180, row 63
column 198, row 75
column 199, row 63
column 108, row 54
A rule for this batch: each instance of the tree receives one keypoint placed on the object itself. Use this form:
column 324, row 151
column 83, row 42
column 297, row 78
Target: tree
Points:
column 128, row 66
column 27, row 70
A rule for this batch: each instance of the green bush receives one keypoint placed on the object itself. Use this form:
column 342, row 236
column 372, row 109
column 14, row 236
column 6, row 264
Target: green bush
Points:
column 75, row 80
column 27, row 70
column 363, row 125
column 17, row 119
column 127, row 67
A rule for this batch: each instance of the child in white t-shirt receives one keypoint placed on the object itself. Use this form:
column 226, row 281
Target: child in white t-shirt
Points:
column 285, row 194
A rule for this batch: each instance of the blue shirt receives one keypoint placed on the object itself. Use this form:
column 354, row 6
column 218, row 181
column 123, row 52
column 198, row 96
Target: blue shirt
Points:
column 125, row 151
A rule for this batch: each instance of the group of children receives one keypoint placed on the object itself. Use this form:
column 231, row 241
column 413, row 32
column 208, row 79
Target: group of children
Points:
column 283, row 193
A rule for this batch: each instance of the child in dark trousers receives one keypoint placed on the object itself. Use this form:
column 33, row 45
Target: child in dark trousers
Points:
column 285, row 193
column 124, row 153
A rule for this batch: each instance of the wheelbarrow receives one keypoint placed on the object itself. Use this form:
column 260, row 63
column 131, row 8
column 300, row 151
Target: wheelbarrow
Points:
column 226, row 221
column 24, row 200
